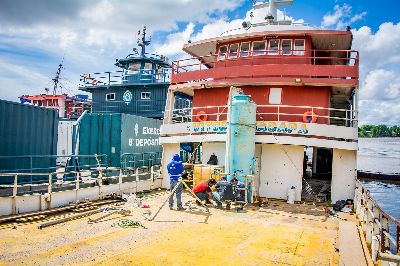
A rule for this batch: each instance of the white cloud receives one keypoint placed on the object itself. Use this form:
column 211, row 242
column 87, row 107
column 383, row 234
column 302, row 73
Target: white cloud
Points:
column 379, row 73
column 175, row 41
column 379, row 49
column 341, row 17
column 91, row 34
column 381, row 84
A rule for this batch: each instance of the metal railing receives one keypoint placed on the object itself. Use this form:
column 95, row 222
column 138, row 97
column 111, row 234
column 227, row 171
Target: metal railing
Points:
column 131, row 161
column 30, row 166
column 125, row 77
column 286, row 113
column 350, row 58
column 80, row 171
column 380, row 229
column 298, row 64
column 79, row 179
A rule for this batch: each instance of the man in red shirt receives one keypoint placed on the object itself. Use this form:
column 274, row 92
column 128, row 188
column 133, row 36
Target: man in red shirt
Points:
column 203, row 189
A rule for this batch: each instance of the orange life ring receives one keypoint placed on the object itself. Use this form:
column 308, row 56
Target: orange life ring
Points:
column 201, row 116
column 309, row 114
column 94, row 82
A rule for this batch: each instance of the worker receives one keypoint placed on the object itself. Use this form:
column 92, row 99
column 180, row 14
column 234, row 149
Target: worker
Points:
column 238, row 191
column 223, row 191
column 203, row 190
column 175, row 170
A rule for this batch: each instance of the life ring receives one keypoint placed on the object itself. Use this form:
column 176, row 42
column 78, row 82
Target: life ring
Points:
column 309, row 114
column 201, row 116
column 94, row 82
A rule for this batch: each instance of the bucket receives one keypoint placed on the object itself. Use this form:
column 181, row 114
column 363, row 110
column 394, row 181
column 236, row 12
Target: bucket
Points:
column 291, row 195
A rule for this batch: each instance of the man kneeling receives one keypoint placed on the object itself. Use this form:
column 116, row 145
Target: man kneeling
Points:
column 203, row 190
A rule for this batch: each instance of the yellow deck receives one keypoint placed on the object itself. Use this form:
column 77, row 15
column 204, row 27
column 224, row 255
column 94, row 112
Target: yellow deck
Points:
column 280, row 234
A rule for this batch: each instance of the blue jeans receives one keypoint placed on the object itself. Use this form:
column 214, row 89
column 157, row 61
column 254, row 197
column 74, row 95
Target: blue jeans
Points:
column 217, row 198
column 178, row 192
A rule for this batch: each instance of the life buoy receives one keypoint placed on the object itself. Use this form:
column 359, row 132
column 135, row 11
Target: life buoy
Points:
column 94, row 82
column 201, row 116
column 310, row 117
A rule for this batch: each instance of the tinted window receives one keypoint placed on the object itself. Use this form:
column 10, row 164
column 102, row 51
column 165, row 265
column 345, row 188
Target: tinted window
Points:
column 259, row 48
column 273, row 47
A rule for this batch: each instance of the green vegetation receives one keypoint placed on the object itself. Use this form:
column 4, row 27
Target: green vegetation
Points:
column 372, row 131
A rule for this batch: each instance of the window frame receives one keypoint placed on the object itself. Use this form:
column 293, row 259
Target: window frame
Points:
column 223, row 56
column 291, row 47
column 299, row 52
column 231, row 53
column 280, row 96
column 274, row 52
column 145, row 98
column 244, row 53
column 113, row 98
column 261, row 52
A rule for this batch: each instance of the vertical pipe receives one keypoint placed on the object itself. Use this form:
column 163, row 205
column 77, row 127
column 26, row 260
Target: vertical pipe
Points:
column 385, row 244
column 50, row 187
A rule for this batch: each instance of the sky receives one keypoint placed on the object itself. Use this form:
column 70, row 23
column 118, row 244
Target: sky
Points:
column 89, row 35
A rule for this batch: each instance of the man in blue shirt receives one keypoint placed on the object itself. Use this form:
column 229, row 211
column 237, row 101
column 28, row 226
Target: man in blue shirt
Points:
column 175, row 170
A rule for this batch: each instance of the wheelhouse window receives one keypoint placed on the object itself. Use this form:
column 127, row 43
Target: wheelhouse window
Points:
column 233, row 50
column 244, row 49
column 286, row 47
column 110, row 97
column 275, row 95
column 145, row 95
column 259, row 48
column 222, row 52
column 299, row 47
column 273, row 47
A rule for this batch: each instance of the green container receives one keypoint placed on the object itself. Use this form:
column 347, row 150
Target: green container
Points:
column 130, row 139
column 28, row 141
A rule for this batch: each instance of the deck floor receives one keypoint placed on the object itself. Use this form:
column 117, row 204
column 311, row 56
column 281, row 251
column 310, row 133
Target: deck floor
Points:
column 278, row 234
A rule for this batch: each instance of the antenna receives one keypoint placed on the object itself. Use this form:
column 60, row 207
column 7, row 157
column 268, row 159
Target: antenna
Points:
column 142, row 42
column 56, row 79
column 272, row 15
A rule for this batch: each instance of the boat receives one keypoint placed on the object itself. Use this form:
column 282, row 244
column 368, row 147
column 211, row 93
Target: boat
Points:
column 256, row 102
column 304, row 84
column 68, row 106
column 138, row 88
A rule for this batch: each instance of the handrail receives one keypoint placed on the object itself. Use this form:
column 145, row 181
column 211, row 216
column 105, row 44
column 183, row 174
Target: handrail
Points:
column 189, row 114
column 124, row 77
column 375, row 225
column 97, row 177
column 268, row 54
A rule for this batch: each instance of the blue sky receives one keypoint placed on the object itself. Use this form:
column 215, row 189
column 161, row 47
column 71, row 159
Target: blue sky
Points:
column 36, row 35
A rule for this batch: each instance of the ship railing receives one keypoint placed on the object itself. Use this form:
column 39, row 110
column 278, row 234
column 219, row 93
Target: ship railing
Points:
column 289, row 58
column 15, row 182
column 31, row 165
column 124, row 77
column 313, row 56
column 379, row 231
column 133, row 161
column 284, row 113
column 79, row 179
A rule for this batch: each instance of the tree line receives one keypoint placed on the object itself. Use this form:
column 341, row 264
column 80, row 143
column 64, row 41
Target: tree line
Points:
column 377, row 131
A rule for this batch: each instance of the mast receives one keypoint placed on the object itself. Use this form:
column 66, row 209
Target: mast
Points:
column 272, row 15
column 56, row 79
column 142, row 42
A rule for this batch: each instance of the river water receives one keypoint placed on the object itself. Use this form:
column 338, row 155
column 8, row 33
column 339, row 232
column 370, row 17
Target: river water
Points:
column 381, row 155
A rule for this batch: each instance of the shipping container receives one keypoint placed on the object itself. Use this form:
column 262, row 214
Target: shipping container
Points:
column 127, row 140
column 28, row 137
